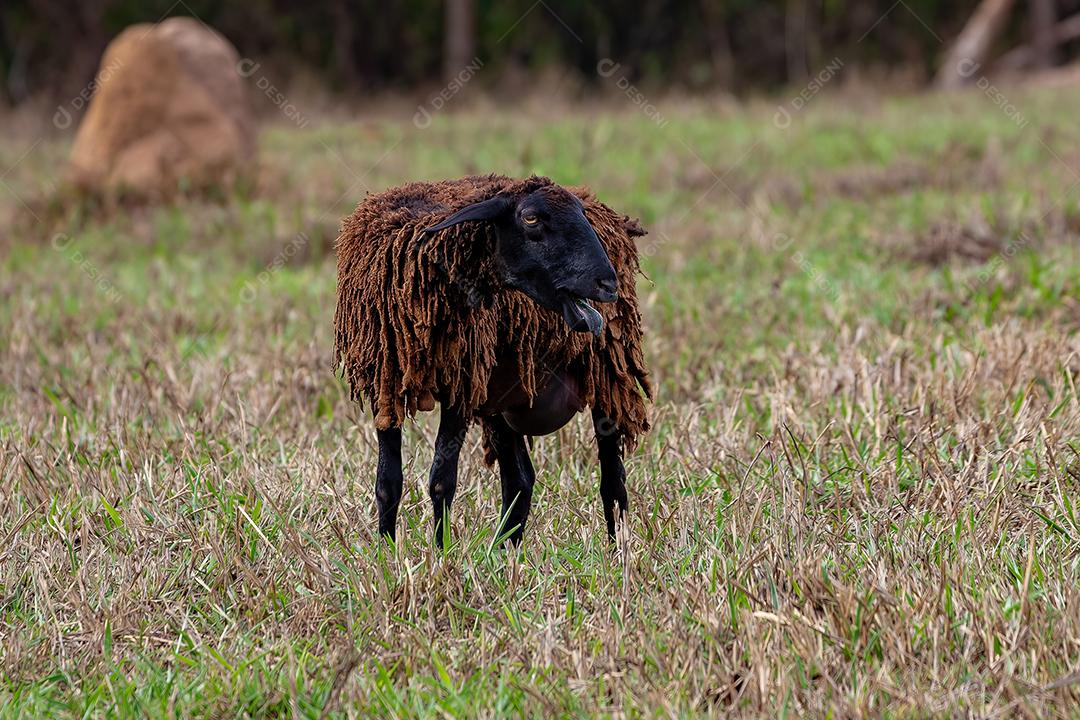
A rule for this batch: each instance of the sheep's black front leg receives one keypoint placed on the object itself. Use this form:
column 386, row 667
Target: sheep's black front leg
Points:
column 444, row 469
column 517, row 476
column 388, row 480
column 612, row 472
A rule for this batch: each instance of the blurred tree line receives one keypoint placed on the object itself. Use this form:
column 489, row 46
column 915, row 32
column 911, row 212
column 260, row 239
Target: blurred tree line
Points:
column 52, row 47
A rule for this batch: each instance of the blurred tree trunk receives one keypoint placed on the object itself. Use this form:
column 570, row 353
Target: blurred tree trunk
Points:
column 460, row 38
column 795, row 41
column 971, row 49
column 1043, row 42
column 344, row 63
column 812, row 28
column 82, row 32
column 716, row 36
column 1023, row 57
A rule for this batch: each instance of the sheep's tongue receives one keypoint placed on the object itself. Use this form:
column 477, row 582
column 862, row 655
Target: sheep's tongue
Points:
column 582, row 317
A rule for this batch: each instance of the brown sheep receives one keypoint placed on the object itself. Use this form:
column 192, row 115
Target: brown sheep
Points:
column 474, row 293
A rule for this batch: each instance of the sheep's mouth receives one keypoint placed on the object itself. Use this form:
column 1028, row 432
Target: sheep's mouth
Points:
column 580, row 315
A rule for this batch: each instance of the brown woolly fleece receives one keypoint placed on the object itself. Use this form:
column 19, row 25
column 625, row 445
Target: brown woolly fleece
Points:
column 425, row 317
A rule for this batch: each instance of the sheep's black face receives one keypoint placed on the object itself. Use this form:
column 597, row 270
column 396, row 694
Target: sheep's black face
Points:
column 549, row 251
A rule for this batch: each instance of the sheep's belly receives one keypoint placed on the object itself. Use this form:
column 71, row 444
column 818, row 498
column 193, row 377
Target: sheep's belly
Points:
column 557, row 402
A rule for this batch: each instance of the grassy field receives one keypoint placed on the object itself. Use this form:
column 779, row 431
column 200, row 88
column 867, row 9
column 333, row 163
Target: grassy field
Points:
column 859, row 496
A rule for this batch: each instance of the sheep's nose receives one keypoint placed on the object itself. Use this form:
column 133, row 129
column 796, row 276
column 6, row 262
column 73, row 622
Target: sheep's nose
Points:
column 609, row 286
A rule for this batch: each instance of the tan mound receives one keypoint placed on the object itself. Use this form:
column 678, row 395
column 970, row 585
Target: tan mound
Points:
column 169, row 106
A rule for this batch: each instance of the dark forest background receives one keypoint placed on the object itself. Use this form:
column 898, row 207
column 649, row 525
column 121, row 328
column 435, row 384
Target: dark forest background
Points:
column 51, row 48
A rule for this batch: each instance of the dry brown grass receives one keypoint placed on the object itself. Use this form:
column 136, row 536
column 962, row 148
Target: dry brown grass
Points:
column 859, row 498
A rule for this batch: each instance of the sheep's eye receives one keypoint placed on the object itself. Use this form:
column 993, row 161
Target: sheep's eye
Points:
column 530, row 219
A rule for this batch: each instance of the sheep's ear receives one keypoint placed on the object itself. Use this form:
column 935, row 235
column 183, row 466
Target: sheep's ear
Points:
column 486, row 210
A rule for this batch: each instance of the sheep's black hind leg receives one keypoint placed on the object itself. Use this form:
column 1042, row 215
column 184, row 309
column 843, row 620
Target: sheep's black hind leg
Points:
column 388, row 480
column 517, row 476
column 612, row 472
column 443, row 481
